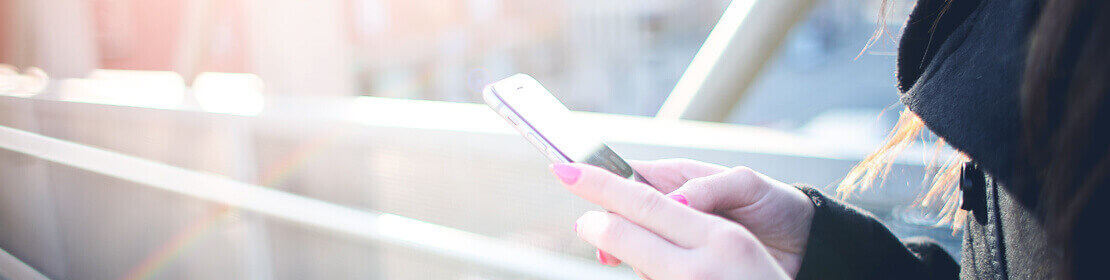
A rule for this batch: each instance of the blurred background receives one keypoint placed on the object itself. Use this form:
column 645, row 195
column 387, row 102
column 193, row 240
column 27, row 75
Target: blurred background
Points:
column 338, row 139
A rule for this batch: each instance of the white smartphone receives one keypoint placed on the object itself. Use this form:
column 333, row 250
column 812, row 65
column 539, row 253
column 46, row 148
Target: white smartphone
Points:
column 549, row 126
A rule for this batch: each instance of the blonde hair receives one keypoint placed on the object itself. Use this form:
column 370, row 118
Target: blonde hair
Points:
column 940, row 200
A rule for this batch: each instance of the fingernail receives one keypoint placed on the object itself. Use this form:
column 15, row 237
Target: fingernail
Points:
column 566, row 173
column 608, row 259
column 601, row 257
column 680, row 198
column 575, row 226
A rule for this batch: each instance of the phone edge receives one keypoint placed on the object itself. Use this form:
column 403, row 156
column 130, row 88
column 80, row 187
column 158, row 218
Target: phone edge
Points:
column 490, row 96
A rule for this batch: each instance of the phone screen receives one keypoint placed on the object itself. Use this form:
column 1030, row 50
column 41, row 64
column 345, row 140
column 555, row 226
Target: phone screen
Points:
column 545, row 114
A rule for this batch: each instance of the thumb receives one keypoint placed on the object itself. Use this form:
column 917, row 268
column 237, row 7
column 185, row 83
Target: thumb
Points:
column 738, row 187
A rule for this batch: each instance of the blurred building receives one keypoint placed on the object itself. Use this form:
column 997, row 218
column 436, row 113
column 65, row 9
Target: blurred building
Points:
column 610, row 56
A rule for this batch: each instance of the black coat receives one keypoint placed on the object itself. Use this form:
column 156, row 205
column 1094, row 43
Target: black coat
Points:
column 962, row 77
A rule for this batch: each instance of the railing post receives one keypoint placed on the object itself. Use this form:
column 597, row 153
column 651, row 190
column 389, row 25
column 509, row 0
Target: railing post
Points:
column 736, row 50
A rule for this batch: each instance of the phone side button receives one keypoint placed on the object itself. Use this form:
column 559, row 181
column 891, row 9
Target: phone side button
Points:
column 508, row 114
column 536, row 141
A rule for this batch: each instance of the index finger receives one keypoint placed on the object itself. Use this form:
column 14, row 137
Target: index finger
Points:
column 639, row 203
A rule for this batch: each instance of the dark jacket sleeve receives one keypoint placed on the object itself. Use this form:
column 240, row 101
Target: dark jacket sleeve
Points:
column 849, row 243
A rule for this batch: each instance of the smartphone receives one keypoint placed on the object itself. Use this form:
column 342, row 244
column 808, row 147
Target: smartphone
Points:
column 546, row 123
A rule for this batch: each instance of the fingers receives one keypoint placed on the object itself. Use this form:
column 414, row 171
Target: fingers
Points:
column 735, row 188
column 666, row 175
column 637, row 202
column 649, row 253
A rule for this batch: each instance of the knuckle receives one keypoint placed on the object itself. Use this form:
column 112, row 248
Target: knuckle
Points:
column 650, row 203
column 611, row 232
column 745, row 176
column 752, row 184
column 747, row 173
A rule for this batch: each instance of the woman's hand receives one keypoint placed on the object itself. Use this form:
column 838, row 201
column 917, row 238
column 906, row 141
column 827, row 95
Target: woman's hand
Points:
column 737, row 222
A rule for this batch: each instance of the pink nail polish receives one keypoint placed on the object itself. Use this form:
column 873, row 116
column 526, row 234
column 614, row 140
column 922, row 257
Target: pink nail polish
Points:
column 566, row 173
column 680, row 198
column 575, row 227
column 606, row 258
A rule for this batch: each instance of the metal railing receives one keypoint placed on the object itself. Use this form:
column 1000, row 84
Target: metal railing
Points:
column 414, row 197
column 747, row 36
column 12, row 268
column 381, row 227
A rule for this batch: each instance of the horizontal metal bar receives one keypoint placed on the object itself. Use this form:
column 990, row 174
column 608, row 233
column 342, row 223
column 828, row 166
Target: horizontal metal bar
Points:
column 382, row 227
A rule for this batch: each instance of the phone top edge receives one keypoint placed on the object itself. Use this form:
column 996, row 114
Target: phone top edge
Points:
column 497, row 103
column 490, row 97
column 494, row 99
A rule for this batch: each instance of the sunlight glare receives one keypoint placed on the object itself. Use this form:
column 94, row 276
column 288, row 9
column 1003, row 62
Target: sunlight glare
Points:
column 147, row 89
column 229, row 93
